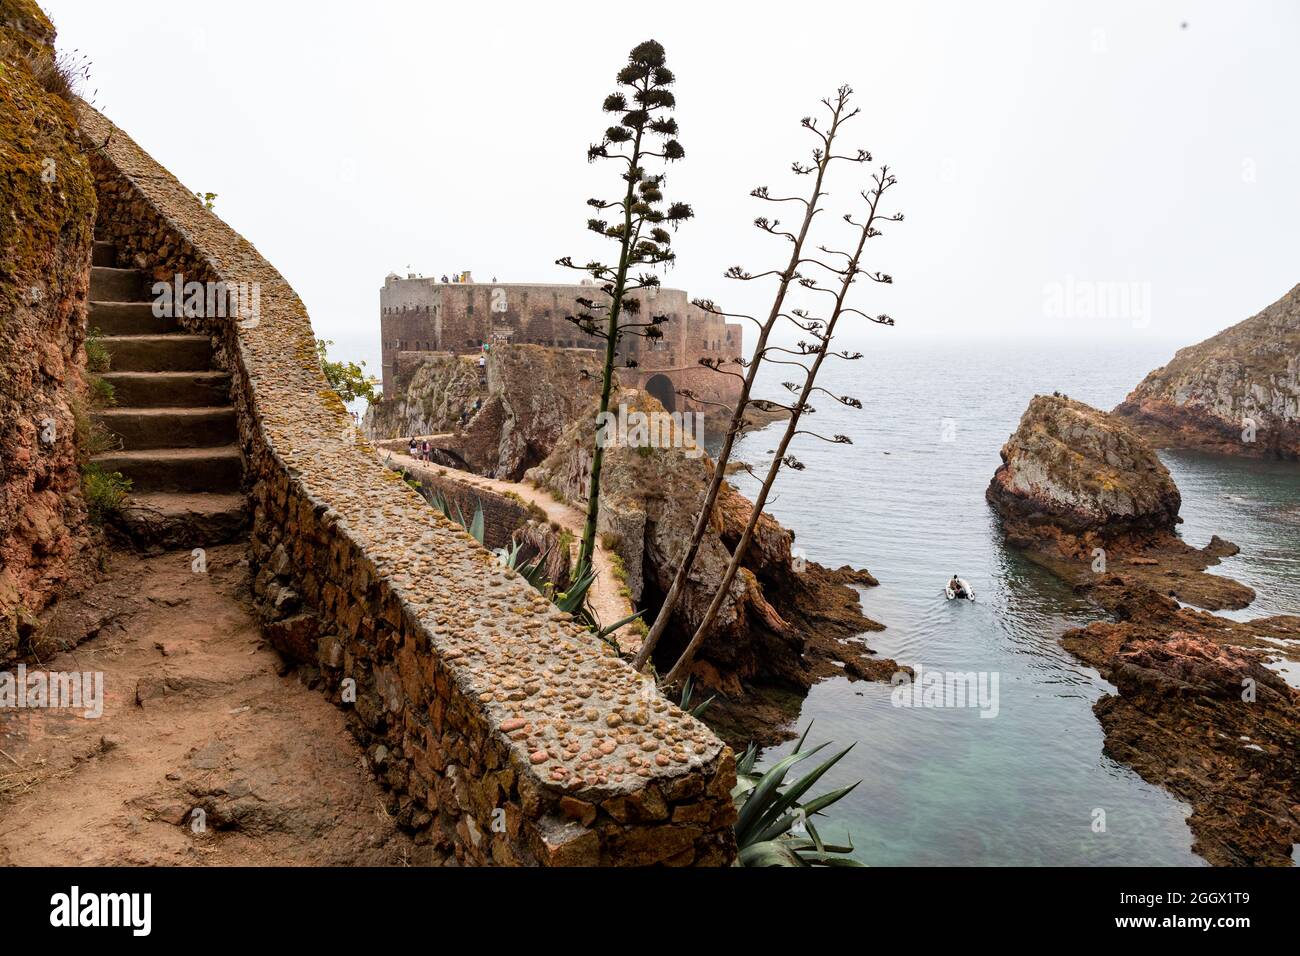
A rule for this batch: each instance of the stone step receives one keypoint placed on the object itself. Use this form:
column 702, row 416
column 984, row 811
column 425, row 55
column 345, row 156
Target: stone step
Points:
column 159, row 353
column 142, row 428
column 104, row 254
column 128, row 318
column 177, row 469
column 108, row 284
column 181, row 520
column 174, row 389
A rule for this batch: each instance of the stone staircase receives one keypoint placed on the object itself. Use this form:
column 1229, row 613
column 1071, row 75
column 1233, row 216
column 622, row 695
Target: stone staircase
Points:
column 175, row 429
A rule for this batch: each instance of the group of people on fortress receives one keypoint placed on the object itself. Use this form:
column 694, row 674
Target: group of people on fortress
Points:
column 461, row 277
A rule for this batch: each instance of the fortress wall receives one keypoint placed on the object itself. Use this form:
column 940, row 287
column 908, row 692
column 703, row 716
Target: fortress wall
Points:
column 459, row 317
column 505, row 734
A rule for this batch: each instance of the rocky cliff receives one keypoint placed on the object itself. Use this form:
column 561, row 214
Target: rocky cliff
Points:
column 534, row 393
column 430, row 399
column 1237, row 393
column 1083, row 494
column 786, row 620
column 48, row 211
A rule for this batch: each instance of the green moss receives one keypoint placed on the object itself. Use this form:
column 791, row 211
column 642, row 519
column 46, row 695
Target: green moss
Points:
column 39, row 138
column 46, row 189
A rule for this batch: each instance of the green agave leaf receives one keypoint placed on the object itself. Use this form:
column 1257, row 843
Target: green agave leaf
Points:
column 803, row 739
column 535, row 572
column 576, row 596
column 797, row 844
column 826, row 859
column 606, row 631
column 816, row 837
column 476, row 525
column 745, row 765
column 701, row 707
column 817, row 804
column 787, row 821
column 760, row 800
column 771, row 853
column 744, row 784
column 787, row 799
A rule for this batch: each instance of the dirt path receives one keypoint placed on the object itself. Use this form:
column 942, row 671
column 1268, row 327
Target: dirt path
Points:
column 196, row 715
column 605, row 594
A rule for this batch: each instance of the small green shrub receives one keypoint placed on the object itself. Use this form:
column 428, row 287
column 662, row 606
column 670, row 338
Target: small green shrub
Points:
column 97, row 357
column 104, row 492
column 90, row 437
column 101, row 390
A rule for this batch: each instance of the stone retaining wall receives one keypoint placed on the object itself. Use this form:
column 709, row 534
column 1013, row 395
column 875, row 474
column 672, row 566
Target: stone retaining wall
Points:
column 506, row 734
column 502, row 515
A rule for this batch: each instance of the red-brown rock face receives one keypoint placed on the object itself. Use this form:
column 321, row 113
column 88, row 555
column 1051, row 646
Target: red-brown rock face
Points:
column 1197, row 712
column 48, row 205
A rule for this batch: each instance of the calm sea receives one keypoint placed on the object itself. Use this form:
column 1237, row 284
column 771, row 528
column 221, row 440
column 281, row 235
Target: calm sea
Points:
column 1030, row 785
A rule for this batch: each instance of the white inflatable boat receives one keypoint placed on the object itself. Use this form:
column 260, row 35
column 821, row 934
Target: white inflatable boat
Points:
column 968, row 592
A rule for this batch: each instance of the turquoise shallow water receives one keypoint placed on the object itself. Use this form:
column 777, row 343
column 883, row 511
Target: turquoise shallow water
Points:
column 944, row 786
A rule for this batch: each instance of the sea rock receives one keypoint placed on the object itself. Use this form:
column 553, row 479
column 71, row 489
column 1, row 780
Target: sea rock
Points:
column 534, row 392
column 1072, row 472
column 1084, row 495
column 1197, row 712
column 1237, row 393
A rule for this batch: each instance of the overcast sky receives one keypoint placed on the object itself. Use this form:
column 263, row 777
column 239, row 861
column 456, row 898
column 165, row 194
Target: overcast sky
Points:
column 1046, row 152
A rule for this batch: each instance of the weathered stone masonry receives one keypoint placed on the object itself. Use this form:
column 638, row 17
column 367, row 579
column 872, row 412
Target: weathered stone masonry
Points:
column 422, row 316
column 506, row 734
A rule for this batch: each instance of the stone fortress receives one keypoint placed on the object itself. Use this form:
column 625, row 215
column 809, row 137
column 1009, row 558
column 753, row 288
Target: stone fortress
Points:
column 420, row 316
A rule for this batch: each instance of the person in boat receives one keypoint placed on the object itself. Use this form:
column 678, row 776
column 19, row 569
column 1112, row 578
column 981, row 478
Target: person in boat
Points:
column 955, row 586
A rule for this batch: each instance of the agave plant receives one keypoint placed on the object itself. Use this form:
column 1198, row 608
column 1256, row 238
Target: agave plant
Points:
column 773, row 827
column 688, row 690
column 572, row 600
